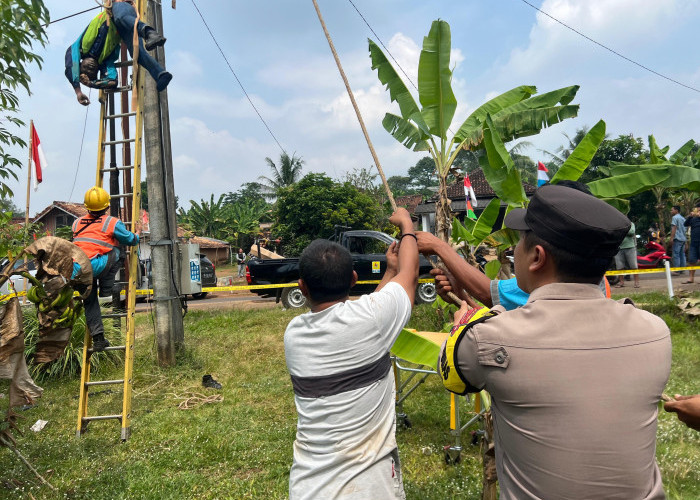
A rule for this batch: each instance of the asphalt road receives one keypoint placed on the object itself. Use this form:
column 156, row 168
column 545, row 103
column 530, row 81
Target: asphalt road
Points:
column 248, row 300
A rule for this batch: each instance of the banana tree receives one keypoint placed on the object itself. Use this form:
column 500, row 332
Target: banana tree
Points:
column 511, row 115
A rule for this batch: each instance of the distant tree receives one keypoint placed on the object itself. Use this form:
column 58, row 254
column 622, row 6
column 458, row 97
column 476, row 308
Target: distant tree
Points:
column 243, row 221
column 144, row 195
column 8, row 205
column 249, row 192
column 288, row 172
column 400, row 185
column 313, row 206
column 21, row 25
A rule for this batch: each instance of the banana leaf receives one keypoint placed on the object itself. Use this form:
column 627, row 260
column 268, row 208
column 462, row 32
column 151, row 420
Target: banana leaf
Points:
column 405, row 132
column 502, row 238
column 623, row 186
column 472, row 126
column 682, row 152
column 491, row 269
column 621, row 204
column 679, row 176
column 531, row 121
column 397, row 89
column 462, row 234
column 581, row 156
column 499, row 169
column 486, row 220
column 434, row 80
column 562, row 96
column 416, row 349
column 656, row 154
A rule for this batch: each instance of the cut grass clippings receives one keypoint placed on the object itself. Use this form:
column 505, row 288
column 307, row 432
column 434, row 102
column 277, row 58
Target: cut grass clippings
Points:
column 241, row 446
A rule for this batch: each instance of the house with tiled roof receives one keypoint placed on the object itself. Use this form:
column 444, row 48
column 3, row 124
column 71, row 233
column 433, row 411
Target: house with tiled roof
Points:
column 59, row 214
column 458, row 204
column 410, row 202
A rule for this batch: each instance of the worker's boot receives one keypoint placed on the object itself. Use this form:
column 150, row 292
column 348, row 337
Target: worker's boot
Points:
column 99, row 342
column 151, row 38
column 163, row 80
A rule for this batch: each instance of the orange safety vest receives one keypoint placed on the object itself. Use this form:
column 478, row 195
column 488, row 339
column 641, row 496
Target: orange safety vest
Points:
column 607, row 287
column 98, row 236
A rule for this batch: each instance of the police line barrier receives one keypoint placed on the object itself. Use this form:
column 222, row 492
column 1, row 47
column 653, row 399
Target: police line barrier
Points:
column 368, row 282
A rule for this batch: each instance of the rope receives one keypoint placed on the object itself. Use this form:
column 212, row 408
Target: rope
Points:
column 82, row 142
column 194, row 399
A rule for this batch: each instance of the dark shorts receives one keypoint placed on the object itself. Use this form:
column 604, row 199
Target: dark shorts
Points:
column 693, row 251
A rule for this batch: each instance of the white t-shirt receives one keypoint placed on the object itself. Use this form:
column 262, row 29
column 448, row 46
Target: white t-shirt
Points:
column 344, row 394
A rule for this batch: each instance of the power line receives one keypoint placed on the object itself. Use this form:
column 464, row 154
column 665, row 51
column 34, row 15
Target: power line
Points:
column 611, row 50
column 72, row 15
column 382, row 43
column 236, row 77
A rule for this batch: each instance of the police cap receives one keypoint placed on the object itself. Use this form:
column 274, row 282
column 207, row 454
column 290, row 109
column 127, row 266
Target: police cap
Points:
column 573, row 221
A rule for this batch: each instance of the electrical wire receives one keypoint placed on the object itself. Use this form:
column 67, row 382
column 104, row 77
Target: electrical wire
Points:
column 382, row 43
column 72, row 15
column 80, row 154
column 611, row 50
column 236, row 77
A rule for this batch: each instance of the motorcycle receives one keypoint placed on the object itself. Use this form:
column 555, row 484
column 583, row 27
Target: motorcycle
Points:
column 655, row 257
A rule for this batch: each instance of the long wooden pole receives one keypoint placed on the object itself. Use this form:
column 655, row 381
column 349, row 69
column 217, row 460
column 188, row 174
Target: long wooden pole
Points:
column 29, row 181
column 357, row 110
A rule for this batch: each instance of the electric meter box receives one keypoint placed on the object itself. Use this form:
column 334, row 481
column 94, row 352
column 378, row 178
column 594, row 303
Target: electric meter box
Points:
column 191, row 270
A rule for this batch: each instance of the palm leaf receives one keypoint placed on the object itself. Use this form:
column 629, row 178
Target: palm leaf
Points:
column 581, row 156
column 472, row 126
column 434, row 80
column 398, row 91
column 626, row 185
column 405, row 132
column 498, row 168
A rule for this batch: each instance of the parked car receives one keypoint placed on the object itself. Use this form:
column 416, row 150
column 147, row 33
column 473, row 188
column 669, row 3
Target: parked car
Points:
column 15, row 279
column 207, row 271
column 368, row 249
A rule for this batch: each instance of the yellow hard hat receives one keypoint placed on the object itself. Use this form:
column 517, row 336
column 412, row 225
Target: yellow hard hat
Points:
column 96, row 199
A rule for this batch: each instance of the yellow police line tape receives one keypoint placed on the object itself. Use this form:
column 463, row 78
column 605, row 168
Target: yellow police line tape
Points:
column 364, row 282
column 653, row 270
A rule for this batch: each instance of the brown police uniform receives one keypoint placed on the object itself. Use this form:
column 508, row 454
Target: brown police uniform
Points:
column 575, row 378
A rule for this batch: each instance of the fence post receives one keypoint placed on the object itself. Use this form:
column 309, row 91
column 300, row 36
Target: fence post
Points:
column 669, row 282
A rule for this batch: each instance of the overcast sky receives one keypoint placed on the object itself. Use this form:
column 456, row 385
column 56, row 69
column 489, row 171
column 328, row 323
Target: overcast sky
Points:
column 281, row 56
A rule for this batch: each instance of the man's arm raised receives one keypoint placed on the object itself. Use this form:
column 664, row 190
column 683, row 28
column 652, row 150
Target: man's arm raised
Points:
column 468, row 277
column 407, row 275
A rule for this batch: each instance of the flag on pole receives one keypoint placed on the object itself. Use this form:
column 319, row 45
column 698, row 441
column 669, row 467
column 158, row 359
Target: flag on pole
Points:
column 469, row 191
column 38, row 159
column 470, row 210
column 542, row 177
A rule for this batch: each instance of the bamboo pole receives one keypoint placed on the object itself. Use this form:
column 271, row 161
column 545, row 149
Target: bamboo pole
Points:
column 357, row 110
column 26, row 211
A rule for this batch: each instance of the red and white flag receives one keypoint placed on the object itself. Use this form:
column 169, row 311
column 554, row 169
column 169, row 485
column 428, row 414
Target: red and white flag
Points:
column 38, row 159
column 542, row 177
column 469, row 190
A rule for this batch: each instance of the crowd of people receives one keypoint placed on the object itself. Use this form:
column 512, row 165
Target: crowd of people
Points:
column 544, row 345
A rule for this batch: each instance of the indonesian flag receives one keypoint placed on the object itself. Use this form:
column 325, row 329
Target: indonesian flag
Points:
column 542, row 177
column 38, row 159
column 469, row 191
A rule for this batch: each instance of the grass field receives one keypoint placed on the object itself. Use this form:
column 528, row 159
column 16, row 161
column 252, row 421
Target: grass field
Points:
column 241, row 447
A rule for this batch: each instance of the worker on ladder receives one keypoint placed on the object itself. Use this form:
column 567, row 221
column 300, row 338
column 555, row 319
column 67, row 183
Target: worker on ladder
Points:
column 99, row 235
column 97, row 48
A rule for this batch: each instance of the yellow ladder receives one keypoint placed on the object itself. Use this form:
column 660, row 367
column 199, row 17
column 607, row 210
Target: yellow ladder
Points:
column 130, row 213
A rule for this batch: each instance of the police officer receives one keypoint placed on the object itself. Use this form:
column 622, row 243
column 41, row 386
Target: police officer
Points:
column 574, row 377
column 99, row 235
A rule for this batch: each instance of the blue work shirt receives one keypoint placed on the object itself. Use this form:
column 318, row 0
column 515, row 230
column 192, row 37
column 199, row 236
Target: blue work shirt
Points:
column 124, row 236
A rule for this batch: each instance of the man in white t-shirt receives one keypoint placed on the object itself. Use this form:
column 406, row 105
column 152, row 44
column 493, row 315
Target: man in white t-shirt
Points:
column 338, row 357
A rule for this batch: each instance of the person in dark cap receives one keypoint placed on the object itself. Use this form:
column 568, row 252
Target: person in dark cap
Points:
column 574, row 377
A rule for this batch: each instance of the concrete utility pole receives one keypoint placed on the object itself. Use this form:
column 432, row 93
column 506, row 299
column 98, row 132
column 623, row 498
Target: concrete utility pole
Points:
column 161, row 204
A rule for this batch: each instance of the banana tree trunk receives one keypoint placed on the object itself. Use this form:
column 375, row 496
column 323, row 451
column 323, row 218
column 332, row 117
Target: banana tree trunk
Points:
column 443, row 212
